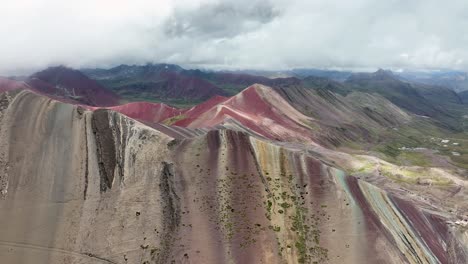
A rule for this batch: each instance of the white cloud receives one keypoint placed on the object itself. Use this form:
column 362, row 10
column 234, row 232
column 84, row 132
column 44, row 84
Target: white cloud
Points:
column 234, row 33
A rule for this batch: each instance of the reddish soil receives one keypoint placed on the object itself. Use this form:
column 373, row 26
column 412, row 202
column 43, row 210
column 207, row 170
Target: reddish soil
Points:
column 149, row 112
column 248, row 108
column 8, row 85
column 180, row 86
column 72, row 84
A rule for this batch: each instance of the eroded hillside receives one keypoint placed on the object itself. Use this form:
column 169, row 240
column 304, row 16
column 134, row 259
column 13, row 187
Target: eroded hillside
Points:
column 81, row 186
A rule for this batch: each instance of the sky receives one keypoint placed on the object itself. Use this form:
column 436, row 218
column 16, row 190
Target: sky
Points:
column 234, row 34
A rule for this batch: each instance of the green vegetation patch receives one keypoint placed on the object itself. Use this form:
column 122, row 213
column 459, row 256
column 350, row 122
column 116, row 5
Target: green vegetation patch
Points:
column 172, row 120
column 414, row 158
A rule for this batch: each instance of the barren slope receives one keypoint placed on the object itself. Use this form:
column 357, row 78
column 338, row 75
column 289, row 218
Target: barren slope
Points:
column 257, row 108
column 97, row 187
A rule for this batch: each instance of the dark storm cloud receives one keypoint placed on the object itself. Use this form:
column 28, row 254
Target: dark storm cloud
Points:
column 220, row 19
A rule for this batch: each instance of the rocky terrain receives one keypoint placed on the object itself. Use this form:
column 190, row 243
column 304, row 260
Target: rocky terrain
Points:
column 217, row 183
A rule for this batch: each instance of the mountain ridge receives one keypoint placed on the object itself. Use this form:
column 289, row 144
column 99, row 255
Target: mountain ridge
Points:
column 224, row 194
column 71, row 84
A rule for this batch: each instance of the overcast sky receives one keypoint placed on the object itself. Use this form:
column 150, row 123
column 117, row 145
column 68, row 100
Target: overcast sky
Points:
column 253, row 34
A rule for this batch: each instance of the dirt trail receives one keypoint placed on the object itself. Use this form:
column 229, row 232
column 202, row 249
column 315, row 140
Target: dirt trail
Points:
column 55, row 250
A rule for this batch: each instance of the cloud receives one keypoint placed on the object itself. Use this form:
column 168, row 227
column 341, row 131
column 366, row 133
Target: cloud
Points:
column 220, row 19
column 269, row 34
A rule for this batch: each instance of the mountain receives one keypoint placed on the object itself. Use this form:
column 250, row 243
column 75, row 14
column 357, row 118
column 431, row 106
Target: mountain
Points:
column 180, row 87
column 464, row 96
column 171, row 84
column 336, row 114
column 295, row 115
column 326, row 84
column 69, row 84
column 317, row 116
column 379, row 75
column 340, row 119
column 271, row 117
column 234, row 82
column 455, row 80
column 145, row 111
column 291, row 170
column 81, row 186
column 174, row 85
column 156, row 82
column 164, row 82
column 8, row 85
column 298, row 73
column 436, row 102
column 292, row 114
column 329, row 74
column 133, row 71
column 356, row 117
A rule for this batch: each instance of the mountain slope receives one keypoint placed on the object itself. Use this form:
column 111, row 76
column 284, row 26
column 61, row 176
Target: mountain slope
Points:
column 127, row 193
column 8, row 85
column 148, row 112
column 271, row 117
column 72, row 85
column 295, row 114
column 174, row 85
column 464, row 97
column 158, row 82
column 356, row 117
column 234, row 82
column 330, row 114
column 455, row 80
column 436, row 102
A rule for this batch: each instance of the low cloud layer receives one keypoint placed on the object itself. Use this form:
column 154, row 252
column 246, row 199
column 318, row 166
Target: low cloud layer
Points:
column 262, row 34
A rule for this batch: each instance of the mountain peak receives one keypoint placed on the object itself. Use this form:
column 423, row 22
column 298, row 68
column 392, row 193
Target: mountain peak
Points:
column 72, row 84
column 384, row 73
column 379, row 75
column 255, row 88
column 58, row 72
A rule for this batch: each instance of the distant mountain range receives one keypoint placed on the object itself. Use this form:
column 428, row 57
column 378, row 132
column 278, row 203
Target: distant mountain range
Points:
column 455, row 80
column 173, row 85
